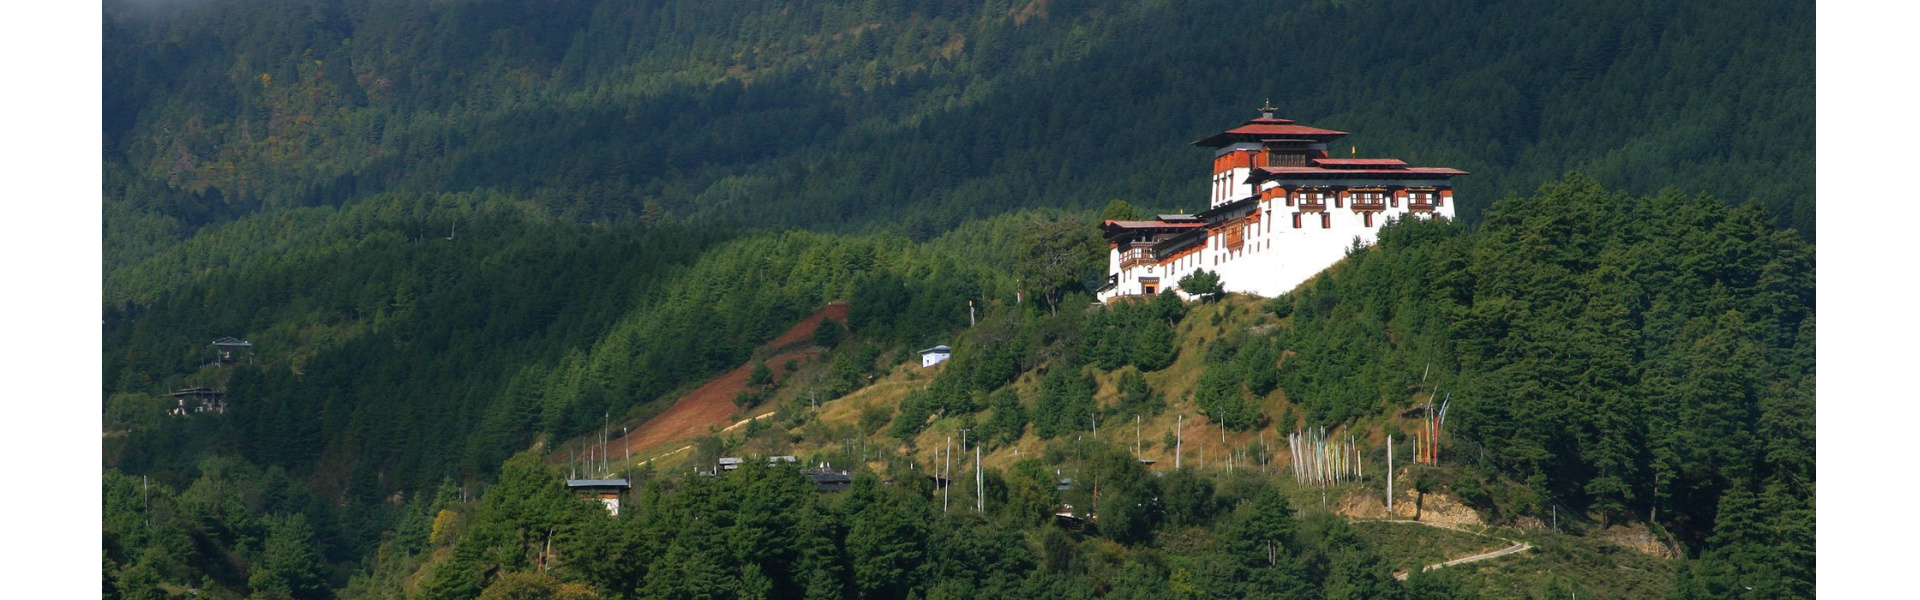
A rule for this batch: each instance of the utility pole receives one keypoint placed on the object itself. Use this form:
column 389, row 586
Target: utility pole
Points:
column 1096, row 425
column 1177, row 440
column 979, row 483
column 1136, row 437
column 970, row 320
column 945, row 489
column 1389, row 477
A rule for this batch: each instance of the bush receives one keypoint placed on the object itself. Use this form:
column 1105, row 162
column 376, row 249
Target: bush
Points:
column 1281, row 306
column 1221, row 399
column 760, row 376
column 1471, row 493
column 1134, row 393
column 874, row 417
column 1009, row 420
column 1203, row 284
column 1155, row 350
column 828, row 334
column 1065, row 403
column 748, row 398
column 914, row 413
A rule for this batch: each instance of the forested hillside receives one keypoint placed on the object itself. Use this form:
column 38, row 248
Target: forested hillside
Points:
column 1604, row 363
column 920, row 115
column 463, row 236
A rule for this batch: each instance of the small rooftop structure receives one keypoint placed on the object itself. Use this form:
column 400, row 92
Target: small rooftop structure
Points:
column 825, row 480
column 935, row 355
column 226, row 346
column 198, row 400
column 1065, row 516
column 231, row 342
column 607, row 491
column 729, row 463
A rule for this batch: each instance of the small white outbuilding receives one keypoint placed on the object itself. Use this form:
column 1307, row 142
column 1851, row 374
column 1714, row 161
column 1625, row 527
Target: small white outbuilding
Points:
column 935, row 355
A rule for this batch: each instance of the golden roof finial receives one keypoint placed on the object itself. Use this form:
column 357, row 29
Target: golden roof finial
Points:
column 1267, row 108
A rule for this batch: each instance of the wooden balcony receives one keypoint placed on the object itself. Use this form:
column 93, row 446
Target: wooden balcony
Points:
column 1137, row 257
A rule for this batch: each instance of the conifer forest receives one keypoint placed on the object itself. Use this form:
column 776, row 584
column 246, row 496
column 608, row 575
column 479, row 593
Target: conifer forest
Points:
column 479, row 248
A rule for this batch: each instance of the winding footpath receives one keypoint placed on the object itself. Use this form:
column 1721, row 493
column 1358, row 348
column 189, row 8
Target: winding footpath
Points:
column 1516, row 548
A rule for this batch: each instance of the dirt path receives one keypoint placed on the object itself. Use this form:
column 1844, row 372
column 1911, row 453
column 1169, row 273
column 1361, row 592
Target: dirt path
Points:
column 1517, row 547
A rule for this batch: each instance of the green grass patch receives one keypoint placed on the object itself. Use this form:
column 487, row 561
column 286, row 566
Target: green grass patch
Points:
column 1408, row 546
column 1561, row 566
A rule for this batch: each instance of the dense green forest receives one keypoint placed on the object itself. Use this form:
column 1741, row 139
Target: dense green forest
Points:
column 457, row 231
column 917, row 116
column 1624, row 358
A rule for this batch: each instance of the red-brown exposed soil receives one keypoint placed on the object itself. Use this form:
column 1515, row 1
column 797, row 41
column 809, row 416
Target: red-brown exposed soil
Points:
column 710, row 405
column 804, row 329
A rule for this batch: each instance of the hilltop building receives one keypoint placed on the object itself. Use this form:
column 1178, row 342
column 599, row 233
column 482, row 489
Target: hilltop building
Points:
column 607, row 491
column 1280, row 210
column 828, row 480
column 227, row 348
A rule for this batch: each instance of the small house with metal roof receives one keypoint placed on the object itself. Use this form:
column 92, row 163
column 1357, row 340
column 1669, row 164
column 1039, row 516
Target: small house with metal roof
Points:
column 935, row 355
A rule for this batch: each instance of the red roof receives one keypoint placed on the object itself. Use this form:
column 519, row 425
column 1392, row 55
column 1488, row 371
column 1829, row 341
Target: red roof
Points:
column 1260, row 129
column 1361, row 163
column 1261, row 174
column 1263, row 129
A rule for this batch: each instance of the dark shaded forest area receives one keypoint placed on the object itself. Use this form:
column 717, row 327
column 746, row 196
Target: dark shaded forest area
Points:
column 917, row 116
column 458, row 230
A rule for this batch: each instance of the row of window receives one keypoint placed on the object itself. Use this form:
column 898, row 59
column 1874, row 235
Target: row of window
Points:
column 1326, row 220
column 1369, row 197
column 1222, row 187
column 1228, row 240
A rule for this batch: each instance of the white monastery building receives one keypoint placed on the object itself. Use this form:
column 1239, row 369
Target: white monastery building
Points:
column 1280, row 211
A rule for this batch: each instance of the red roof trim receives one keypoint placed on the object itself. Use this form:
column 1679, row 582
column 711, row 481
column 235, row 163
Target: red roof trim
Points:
column 1151, row 225
column 1361, row 162
column 1276, row 130
column 1320, row 171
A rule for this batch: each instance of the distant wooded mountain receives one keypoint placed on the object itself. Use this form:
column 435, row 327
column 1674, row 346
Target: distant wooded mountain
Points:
column 918, row 115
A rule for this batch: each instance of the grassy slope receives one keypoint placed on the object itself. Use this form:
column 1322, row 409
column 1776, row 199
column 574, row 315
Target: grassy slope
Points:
column 1559, row 564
